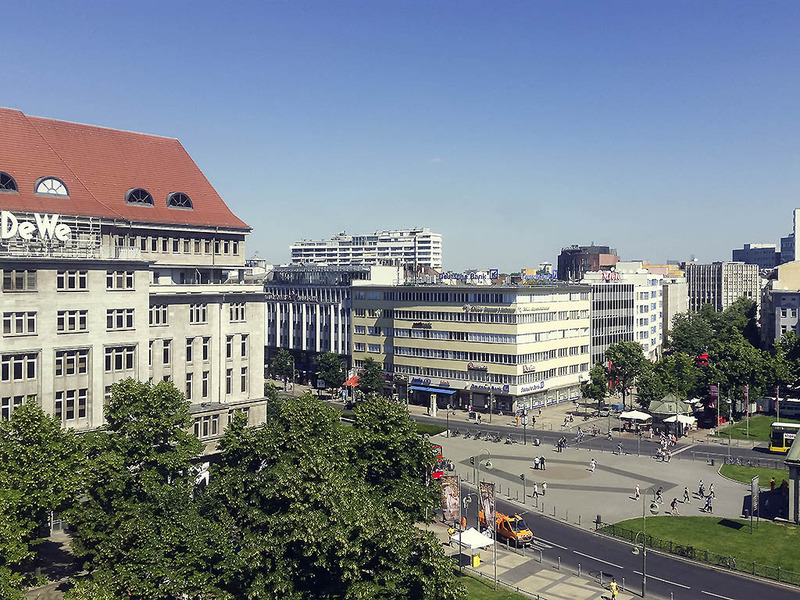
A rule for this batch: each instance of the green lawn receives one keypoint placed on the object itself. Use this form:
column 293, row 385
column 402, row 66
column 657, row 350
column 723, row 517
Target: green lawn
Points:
column 429, row 429
column 759, row 428
column 772, row 544
column 745, row 474
column 482, row 589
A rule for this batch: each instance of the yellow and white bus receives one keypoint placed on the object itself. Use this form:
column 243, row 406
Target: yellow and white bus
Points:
column 781, row 436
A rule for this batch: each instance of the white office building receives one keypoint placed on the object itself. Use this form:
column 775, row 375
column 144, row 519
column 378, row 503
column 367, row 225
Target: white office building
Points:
column 417, row 246
column 720, row 284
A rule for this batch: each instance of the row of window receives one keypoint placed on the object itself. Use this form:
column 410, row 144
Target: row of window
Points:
column 71, row 404
column 20, row 280
column 489, row 357
column 173, row 245
column 208, row 426
column 468, row 297
column 484, row 377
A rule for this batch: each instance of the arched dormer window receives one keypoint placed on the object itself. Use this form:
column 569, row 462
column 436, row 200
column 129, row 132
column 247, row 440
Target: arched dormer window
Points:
column 50, row 186
column 179, row 200
column 138, row 197
column 7, row 183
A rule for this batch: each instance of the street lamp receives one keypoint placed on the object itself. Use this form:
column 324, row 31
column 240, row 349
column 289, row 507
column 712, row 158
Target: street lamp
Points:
column 293, row 370
column 654, row 509
column 487, row 464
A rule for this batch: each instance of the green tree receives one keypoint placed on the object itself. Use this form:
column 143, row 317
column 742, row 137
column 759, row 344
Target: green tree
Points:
column 330, row 367
column 784, row 364
column 650, row 386
column 283, row 364
column 627, row 364
column 597, row 387
column 135, row 521
column 39, row 463
column 370, row 380
column 691, row 333
column 300, row 523
column 394, row 459
column 734, row 363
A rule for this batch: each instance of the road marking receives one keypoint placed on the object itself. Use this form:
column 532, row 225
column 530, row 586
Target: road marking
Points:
column 715, row 595
column 536, row 539
column 684, row 449
column 673, row 583
column 598, row 559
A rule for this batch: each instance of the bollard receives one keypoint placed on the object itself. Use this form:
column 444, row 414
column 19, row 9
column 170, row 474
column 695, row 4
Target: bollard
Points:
column 554, row 511
column 559, row 563
column 601, row 577
column 579, row 569
column 671, row 597
column 579, row 520
column 623, row 584
column 540, row 557
column 517, row 495
column 566, row 515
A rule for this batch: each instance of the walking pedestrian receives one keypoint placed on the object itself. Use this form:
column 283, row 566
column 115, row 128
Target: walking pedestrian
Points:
column 701, row 489
column 544, row 488
column 592, row 465
column 536, row 490
column 541, row 463
column 619, row 448
column 536, row 462
column 614, row 587
column 711, row 490
column 708, row 507
column 772, row 485
column 659, row 496
column 674, row 506
column 636, row 492
column 686, row 498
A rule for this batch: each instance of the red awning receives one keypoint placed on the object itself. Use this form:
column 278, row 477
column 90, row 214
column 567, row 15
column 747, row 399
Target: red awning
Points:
column 353, row 381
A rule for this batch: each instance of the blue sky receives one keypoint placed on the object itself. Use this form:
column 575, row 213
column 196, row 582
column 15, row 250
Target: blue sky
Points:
column 664, row 129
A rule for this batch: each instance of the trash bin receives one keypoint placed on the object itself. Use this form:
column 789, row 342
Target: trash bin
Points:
column 476, row 560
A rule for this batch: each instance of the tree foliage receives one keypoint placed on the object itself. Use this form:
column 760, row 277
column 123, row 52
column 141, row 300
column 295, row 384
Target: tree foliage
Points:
column 330, row 367
column 628, row 362
column 370, row 379
column 597, row 387
column 283, row 364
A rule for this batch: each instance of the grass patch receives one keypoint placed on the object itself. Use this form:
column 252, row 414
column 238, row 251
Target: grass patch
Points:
column 745, row 474
column 759, row 429
column 429, row 429
column 773, row 544
column 483, row 589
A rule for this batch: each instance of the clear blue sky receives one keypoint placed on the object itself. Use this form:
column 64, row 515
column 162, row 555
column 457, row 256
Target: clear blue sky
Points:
column 664, row 129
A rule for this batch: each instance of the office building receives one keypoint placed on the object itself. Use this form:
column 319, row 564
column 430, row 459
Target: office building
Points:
column 720, row 284
column 575, row 261
column 522, row 346
column 119, row 260
column 675, row 295
column 416, row 246
column 780, row 304
column 766, row 256
column 627, row 305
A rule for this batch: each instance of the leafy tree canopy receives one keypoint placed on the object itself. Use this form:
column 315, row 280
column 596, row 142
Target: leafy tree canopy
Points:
column 597, row 386
column 370, row 379
column 330, row 367
column 283, row 364
column 628, row 362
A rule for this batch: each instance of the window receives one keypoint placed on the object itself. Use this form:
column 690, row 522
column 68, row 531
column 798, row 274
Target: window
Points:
column 235, row 248
column 197, row 314
column 119, row 358
column 119, row 280
column 158, row 315
column 237, row 311
column 72, row 362
column 375, row 348
column 19, row 323
column 7, row 183
column 18, row 367
column 65, row 404
column 188, row 386
column 206, row 347
column 138, row 197
column 19, row 281
column 187, row 246
column 205, row 384
column 8, row 404
column 166, row 345
column 229, row 346
column 119, row 318
column 243, row 381
column 71, row 280
column 228, row 381
column 189, row 348
column 206, row 426
column 244, row 346
column 50, row 186
column 179, row 200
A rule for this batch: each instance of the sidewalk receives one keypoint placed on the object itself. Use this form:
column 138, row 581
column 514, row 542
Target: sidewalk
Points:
column 525, row 574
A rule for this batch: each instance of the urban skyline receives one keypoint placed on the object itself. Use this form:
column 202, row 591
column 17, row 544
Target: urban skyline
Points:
column 667, row 131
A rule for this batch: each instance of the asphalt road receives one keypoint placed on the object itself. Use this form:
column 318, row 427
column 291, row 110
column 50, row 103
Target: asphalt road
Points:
column 666, row 576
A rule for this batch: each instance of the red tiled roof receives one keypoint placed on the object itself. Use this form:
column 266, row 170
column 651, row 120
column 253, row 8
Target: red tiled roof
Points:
column 99, row 166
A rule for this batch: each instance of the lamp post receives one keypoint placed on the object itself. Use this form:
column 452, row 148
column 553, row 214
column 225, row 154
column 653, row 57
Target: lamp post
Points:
column 730, row 414
column 447, row 418
column 293, row 370
column 654, row 510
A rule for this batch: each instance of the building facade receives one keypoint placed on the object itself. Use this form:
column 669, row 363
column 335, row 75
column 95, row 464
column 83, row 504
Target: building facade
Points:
column 466, row 345
column 780, row 304
column 766, row 256
column 675, row 294
column 120, row 260
column 575, row 261
column 416, row 246
column 627, row 306
column 720, row 284
column 308, row 309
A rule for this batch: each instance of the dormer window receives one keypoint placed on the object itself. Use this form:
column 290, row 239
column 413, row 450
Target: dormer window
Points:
column 7, row 183
column 50, row 186
column 138, row 197
column 179, row 200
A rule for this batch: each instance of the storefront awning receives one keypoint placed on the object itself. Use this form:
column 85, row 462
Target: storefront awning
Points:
column 419, row 388
column 353, row 381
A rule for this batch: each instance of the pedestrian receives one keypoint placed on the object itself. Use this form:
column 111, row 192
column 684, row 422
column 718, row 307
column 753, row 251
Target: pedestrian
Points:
column 711, row 490
column 701, row 490
column 651, row 433
column 659, row 496
column 592, row 465
column 536, row 490
column 674, row 506
column 772, row 485
column 541, row 463
column 708, row 507
column 479, row 419
column 614, row 587
column 570, row 417
column 544, row 488
column 636, row 492
column 619, row 448
column 686, row 498
column 536, row 462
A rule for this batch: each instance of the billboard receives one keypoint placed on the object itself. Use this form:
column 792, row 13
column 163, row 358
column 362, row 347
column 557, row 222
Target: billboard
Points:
column 450, row 497
column 487, row 501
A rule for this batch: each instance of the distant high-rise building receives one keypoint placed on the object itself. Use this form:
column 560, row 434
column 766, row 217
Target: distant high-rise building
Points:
column 789, row 243
column 720, row 284
column 416, row 246
column 575, row 261
column 766, row 256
